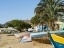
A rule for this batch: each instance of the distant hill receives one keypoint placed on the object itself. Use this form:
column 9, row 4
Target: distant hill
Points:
column 27, row 21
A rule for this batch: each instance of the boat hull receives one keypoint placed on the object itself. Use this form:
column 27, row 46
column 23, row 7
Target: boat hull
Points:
column 57, row 41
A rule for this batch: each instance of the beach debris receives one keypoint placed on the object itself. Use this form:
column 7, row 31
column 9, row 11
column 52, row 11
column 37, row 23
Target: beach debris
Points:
column 10, row 34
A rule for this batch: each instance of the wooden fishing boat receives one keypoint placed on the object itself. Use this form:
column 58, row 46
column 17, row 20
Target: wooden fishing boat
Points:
column 57, row 41
column 43, row 34
column 43, row 38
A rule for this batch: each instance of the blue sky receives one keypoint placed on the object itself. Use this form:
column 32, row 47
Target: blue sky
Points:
column 17, row 9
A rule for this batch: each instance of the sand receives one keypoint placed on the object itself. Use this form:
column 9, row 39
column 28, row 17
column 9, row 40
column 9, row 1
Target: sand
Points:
column 13, row 42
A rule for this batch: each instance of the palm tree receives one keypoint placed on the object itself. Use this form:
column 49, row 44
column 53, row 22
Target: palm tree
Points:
column 48, row 11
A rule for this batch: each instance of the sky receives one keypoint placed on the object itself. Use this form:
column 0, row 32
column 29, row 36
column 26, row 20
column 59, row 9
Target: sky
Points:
column 17, row 9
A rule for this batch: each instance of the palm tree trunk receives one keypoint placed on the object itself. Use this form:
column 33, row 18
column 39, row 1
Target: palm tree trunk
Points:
column 51, row 25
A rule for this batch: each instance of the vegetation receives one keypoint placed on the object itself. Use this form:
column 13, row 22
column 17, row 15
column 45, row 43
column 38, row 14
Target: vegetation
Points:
column 34, row 20
column 1, row 26
column 48, row 11
column 18, row 24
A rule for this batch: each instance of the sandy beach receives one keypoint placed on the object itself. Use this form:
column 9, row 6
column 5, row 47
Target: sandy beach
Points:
column 13, row 42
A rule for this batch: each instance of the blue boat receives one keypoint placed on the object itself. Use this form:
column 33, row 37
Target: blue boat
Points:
column 43, row 34
column 57, row 41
